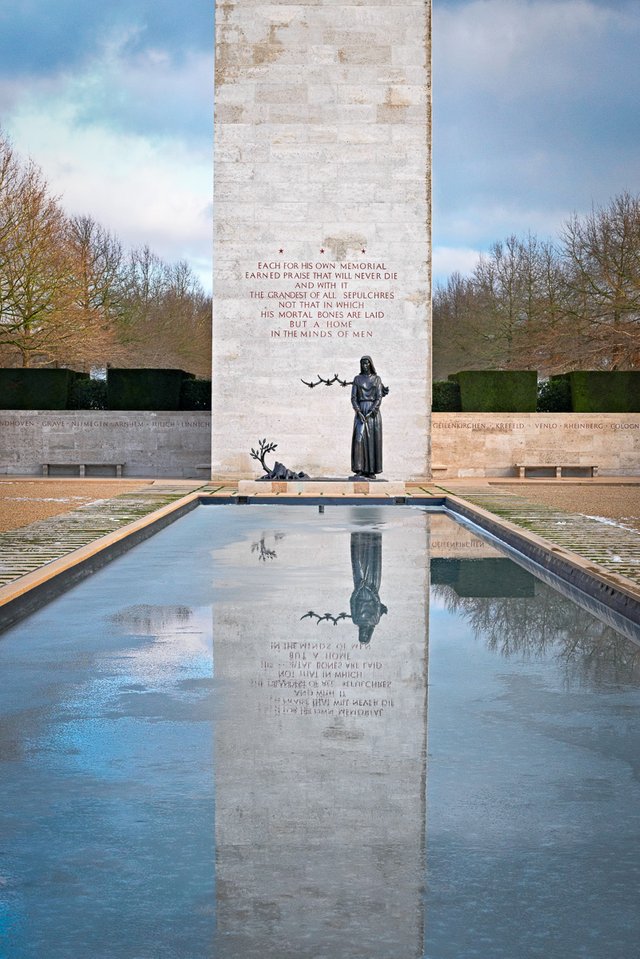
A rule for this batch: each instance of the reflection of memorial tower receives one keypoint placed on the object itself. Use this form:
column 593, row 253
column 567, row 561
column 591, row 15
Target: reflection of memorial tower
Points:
column 321, row 743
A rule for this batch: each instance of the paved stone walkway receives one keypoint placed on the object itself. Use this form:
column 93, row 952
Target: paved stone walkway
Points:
column 608, row 545
column 26, row 549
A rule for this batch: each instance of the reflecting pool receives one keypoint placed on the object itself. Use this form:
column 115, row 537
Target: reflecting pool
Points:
column 254, row 736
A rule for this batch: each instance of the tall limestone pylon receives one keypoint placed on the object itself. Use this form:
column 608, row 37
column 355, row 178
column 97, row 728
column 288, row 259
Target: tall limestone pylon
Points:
column 322, row 206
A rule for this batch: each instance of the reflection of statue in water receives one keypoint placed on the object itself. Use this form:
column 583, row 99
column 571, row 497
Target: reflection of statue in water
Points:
column 366, row 444
column 366, row 565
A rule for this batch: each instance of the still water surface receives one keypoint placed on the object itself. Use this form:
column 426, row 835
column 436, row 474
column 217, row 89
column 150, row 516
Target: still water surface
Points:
column 253, row 736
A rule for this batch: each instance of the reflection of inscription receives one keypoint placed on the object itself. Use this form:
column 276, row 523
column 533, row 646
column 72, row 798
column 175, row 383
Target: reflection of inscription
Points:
column 324, row 679
column 457, row 544
column 327, row 678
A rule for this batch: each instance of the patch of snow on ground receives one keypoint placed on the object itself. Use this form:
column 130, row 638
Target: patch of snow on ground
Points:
column 612, row 522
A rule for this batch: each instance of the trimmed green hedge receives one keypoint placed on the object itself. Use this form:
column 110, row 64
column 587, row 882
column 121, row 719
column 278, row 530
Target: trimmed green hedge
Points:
column 445, row 397
column 27, row 389
column 554, row 395
column 145, row 389
column 195, row 395
column 498, row 391
column 605, row 391
column 88, row 394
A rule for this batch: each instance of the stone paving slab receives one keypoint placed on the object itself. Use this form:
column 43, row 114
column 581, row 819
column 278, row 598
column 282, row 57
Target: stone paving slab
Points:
column 27, row 549
column 612, row 547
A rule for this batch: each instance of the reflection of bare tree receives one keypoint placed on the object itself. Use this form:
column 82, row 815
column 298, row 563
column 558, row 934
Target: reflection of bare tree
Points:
column 263, row 551
column 548, row 624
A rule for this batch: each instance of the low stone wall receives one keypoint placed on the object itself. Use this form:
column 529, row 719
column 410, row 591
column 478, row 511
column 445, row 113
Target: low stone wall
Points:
column 179, row 444
column 148, row 444
column 490, row 444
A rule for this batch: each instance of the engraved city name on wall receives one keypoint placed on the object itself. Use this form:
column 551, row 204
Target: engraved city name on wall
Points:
column 322, row 229
column 490, row 444
column 88, row 422
column 165, row 443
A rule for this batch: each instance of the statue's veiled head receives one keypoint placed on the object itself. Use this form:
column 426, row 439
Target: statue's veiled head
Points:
column 366, row 365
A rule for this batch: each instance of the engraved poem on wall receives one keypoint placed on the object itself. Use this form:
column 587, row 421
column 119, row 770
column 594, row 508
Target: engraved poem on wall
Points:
column 304, row 300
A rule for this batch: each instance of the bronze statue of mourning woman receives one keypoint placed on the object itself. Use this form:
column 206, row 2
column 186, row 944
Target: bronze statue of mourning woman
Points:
column 367, row 394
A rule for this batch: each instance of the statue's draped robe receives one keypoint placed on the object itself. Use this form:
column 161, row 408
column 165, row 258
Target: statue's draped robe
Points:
column 366, row 443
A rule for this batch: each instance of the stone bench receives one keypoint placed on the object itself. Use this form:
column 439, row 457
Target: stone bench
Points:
column 523, row 467
column 82, row 467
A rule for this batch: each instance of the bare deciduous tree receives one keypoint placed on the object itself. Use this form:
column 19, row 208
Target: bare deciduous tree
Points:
column 97, row 294
column 534, row 304
column 602, row 267
column 167, row 320
column 69, row 294
column 36, row 272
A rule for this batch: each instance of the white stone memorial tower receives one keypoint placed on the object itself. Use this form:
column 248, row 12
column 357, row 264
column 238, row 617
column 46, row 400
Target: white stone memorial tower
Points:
column 322, row 229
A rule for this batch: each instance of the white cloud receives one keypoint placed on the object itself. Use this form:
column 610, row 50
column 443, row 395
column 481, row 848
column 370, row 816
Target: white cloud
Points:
column 124, row 141
column 453, row 259
column 535, row 114
column 512, row 47
column 474, row 222
column 535, row 117
column 146, row 191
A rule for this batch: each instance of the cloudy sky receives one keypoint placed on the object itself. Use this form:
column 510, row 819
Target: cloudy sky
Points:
column 535, row 114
